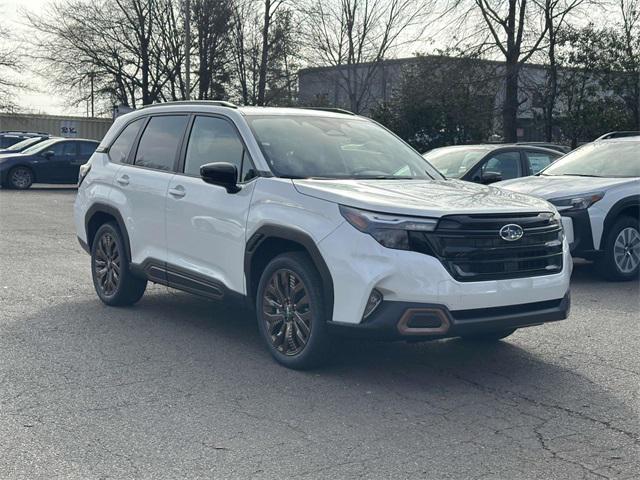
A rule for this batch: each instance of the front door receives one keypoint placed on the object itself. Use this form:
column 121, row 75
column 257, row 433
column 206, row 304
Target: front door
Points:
column 206, row 224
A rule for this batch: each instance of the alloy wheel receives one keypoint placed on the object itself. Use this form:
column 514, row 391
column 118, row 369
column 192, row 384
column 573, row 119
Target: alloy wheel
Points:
column 286, row 311
column 107, row 264
column 21, row 178
column 626, row 250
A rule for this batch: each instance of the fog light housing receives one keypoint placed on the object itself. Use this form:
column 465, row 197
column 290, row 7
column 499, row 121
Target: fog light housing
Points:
column 374, row 301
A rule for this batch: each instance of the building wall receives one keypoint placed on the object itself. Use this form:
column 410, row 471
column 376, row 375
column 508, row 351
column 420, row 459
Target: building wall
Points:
column 60, row 126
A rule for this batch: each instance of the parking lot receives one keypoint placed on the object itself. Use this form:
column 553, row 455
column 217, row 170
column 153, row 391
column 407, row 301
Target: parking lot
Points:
column 179, row 386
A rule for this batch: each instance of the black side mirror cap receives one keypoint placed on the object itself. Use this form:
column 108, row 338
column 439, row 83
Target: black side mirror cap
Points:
column 222, row 174
column 48, row 154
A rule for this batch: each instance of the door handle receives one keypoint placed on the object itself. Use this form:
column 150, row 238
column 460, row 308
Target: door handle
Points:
column 177, row 192
column 123, row 180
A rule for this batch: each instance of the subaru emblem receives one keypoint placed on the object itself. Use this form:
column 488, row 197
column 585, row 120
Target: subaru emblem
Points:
column 511, row 232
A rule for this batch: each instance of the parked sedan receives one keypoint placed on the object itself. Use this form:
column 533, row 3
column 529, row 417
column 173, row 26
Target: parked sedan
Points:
column 596, row 189
column 24, row 144
column 56, row 160
column 490, row 163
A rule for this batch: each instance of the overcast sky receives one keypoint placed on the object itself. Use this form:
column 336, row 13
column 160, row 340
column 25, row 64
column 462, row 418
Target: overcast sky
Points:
column 40, row 99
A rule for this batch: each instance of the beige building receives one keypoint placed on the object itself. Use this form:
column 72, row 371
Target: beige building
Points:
column 56, row 125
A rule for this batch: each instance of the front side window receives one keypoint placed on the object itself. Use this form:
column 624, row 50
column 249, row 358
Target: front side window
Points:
column 600, row 159
column 297, row 146
column 212, row 140
column 63, row 149
column 119, row 150
column 159, row 142
column 506, row 164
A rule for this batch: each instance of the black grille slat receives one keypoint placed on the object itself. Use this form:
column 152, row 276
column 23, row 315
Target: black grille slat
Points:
column 471, row 249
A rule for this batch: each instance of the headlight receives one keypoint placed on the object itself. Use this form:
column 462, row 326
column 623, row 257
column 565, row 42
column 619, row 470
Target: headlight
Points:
column 391, row 231
column 576, row 202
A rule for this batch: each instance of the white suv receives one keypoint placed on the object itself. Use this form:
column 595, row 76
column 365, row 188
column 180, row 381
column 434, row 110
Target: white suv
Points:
column 324, row 221
column 596, row 188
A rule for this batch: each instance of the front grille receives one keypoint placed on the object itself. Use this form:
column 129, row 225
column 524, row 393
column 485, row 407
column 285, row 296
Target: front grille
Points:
column 471, row 249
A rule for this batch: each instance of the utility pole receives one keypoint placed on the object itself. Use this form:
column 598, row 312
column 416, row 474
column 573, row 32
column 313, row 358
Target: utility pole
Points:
column 187, row 48
column 91, row 76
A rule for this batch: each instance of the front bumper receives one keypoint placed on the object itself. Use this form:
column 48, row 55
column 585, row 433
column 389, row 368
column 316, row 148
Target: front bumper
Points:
column 420, row 321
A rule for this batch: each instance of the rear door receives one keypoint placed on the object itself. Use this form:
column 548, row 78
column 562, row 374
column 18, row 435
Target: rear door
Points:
column 84, row 150
column 141, row 184
column 206, row 224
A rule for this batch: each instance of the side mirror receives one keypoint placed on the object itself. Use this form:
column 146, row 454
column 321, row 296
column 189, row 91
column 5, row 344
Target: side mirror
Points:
column 222, row 174
column 48, row 154
column 491, row 177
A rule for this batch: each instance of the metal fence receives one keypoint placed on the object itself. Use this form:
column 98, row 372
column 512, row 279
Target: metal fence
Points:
column 57, row 125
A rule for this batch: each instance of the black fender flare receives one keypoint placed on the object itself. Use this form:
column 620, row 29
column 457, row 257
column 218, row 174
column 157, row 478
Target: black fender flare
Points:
column 266, row 232
column 109, row 210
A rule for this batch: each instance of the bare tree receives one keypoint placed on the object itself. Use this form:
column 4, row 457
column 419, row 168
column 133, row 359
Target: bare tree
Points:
column 357, row 35
column 513, row 29
column 556, row 16
column 10, row 65
column 630, row 11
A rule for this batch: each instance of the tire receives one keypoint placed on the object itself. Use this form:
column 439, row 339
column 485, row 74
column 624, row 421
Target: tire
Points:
column 20, row 178
column 489, row 336
column 620, row 259
column 117, row 286
column 289, row 297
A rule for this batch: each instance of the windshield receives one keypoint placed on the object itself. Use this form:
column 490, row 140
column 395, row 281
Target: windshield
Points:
column 39, row 147
column 599, row 159
column 454, row 162
column 16, row 147
column 328, row 147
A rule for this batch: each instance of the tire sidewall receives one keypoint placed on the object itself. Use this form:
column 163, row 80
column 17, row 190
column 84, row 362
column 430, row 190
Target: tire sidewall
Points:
column 313, row 352
column 124, row 264
column 10, row 178
column 611, row 269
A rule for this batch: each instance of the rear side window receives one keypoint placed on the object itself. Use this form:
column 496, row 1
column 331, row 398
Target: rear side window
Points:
column 539, row 160
column 212, row 140
column 159, row 142
column 119, row 151
column 87, row 148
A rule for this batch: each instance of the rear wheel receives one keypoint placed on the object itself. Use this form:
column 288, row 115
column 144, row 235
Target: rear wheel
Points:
column 20, row 178
column 489, row 336
column 112, row 279
column 291, row 311
column 621, row 256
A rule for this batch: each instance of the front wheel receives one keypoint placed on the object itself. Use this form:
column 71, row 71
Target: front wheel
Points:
column 112, row 278
column 20, row 178
column 291, row 311
column 621, row 256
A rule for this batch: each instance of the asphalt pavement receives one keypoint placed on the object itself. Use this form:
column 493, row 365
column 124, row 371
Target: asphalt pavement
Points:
column 181, row 387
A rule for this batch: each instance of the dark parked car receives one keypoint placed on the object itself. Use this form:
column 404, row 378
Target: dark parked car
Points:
column 11, row 137
column 490, row 163
column 24, row 144
column 56, row 160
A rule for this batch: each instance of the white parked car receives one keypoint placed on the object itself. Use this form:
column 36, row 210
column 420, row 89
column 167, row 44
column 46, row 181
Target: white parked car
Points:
column 325, row 222
column 596, row 189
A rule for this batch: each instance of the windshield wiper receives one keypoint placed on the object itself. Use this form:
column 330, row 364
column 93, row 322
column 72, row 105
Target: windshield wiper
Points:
column 580, row 175
column 294, row 177
column 382, row 177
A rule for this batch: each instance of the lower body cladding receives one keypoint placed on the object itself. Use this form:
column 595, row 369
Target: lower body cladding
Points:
column 421, row 300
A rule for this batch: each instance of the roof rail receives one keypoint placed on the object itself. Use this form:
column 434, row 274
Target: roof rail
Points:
column 329, row 109
column 213, row 103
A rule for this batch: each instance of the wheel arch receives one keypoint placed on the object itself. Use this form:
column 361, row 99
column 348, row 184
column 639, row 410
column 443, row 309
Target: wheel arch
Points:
column 99, row 214
column 272, row 240
column 23, row 165
column 629, row 206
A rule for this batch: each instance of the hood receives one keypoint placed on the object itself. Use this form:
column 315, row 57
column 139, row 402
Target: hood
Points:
column 432, row 198
column 9, row 156
column 561, row 185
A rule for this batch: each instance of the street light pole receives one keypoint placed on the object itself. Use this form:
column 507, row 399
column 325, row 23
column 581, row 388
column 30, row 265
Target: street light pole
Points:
column 187, row 47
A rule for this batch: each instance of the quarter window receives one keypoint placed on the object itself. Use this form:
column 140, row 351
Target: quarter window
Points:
column 213, row 140
column 119, row 151
column 159, row 142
